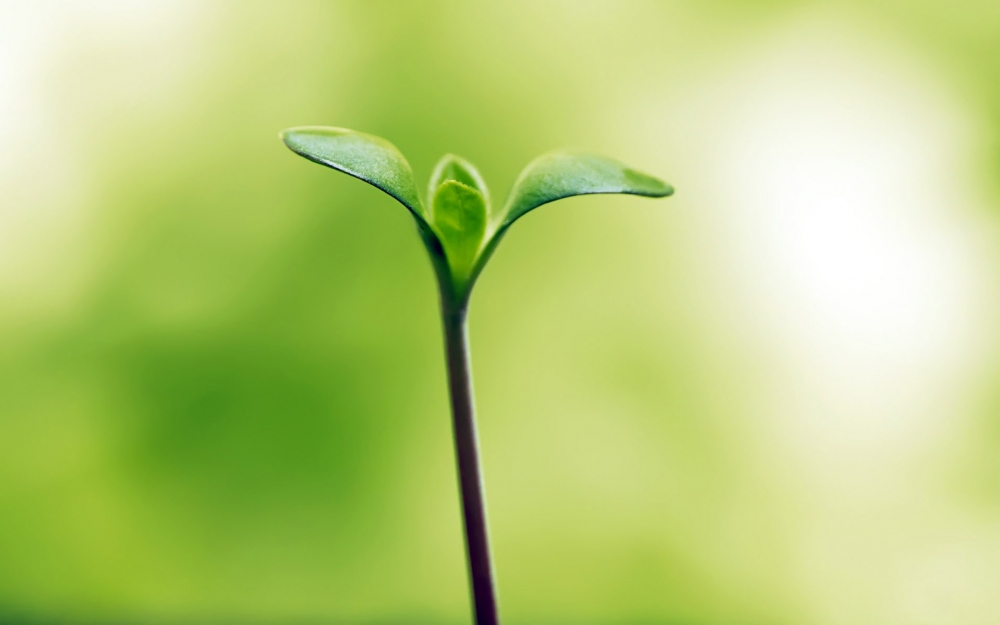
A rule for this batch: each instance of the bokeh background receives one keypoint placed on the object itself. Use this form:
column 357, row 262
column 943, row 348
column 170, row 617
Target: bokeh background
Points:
column 770, row 399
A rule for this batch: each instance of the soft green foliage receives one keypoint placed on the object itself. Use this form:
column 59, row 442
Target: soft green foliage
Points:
column 452, row 167
column 459, row 228
column 460, row 209
column 559, row 175
column 460, row 234
column 776, row 401
column 460, row 215
column 370, row 158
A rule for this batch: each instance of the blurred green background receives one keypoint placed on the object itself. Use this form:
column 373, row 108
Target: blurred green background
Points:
column 770, row 399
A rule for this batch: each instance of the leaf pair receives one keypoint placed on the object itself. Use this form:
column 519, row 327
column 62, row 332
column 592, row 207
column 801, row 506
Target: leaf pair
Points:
column 458, row 224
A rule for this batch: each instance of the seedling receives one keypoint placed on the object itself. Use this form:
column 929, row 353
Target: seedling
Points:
column 461, row 229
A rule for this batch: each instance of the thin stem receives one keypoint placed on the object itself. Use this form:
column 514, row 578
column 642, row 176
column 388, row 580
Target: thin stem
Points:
column 469, row 473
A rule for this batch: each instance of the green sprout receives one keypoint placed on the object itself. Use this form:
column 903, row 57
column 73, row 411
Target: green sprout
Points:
column 461, row 229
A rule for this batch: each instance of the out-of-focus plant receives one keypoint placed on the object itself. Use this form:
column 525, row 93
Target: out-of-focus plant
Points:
column 461, row 230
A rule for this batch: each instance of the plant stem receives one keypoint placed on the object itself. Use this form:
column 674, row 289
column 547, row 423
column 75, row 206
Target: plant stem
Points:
column 469, row 473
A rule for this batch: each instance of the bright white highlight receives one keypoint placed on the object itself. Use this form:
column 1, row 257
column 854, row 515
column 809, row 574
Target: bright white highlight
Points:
column 857, row 269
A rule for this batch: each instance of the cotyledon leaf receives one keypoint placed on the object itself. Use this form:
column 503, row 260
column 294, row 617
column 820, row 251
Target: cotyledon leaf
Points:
column 364, row 156
column 460, row 221
column 457, row 226
column 559, row 175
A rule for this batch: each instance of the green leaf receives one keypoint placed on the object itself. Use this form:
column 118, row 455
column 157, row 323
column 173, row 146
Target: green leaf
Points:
column 370, row 158
column 457, row 227
column 559, row 175
column 460, row 217
column 452, row 167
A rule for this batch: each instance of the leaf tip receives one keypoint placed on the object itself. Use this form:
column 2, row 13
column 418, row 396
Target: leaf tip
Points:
column 294, row 135
column 662, row 189
column 640, row 183
column 291, row 137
